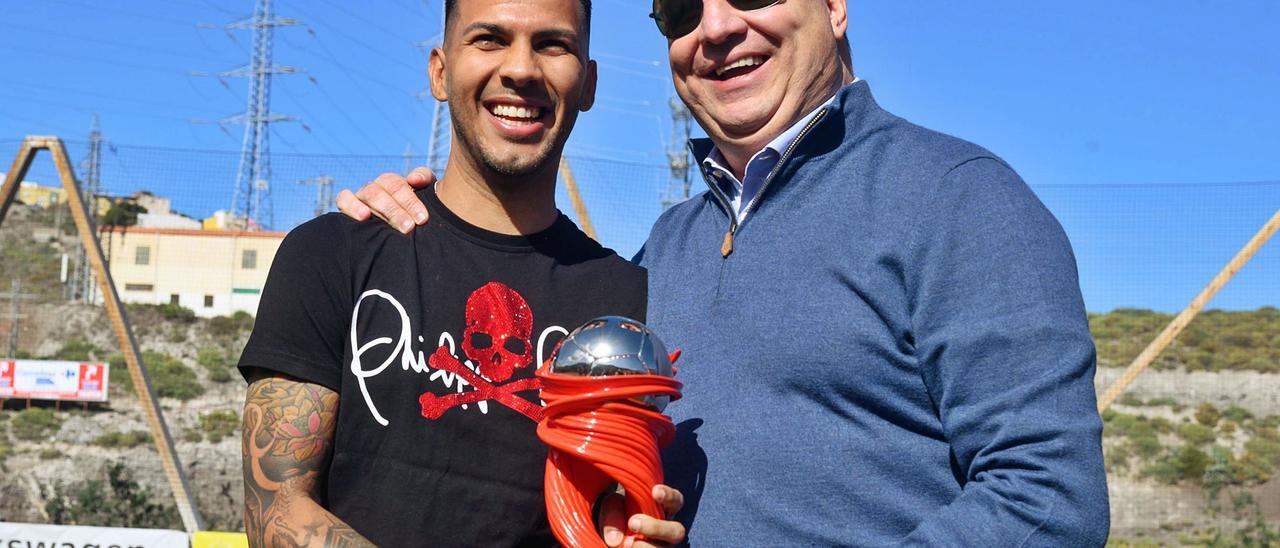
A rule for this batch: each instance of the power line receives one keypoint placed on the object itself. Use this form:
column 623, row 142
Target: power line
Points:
column 598, row 152
column 285, row 140
column 43, row 124
column 57, row 89
column 301, row 106
column 207, row 4
column 616, row 57
column 86, row 110
column 120, row 163
column 204, row 98
column 656, row 120
column 252, row 196
column 139, row 15
column 409, row 8
column 613, row 99
column 114, row 43
column 231, row 38
column 361, row 43
column 615, row 68
column 298, row 153
column 375, row 104
column 328, row 55
column 201, row 138
column 361, row 18
column 43, row 52
column 343, row 112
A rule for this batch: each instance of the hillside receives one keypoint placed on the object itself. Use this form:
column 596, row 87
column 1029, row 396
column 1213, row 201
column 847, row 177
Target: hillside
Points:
column 1215, row 341
column 1192, row 449
column 98, row 466
column 52, row 459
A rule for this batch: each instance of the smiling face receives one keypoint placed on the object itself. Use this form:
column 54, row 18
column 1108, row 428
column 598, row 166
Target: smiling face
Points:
column 748, row 76
column 515, row 74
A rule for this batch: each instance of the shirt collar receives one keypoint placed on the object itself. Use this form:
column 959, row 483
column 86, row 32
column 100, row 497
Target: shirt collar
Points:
column 715, row 160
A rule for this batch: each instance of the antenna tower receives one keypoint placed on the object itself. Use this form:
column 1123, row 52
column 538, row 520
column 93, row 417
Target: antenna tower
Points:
column 252, row 198
column 82, row 287
column 324, row 192
column 678, row 155
column 15, row 296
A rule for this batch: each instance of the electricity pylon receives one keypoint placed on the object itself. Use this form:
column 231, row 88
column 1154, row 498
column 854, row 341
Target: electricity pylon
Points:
column 324, row 192
column 678, row 155
column 81, row 286
column 252, row 197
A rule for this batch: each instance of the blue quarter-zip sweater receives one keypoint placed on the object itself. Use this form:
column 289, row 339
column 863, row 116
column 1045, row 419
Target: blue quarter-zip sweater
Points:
column 893, row 350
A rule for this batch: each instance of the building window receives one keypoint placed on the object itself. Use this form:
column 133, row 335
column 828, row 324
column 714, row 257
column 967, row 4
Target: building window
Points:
column 249, row 259
column 142, row 255
column 208, row 301
column 139, row 287
column 173, row 299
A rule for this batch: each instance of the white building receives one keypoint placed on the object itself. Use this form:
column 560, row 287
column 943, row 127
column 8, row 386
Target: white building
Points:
column 167, row 220
column 225, row 220
column 212, row 272
column 159, row 214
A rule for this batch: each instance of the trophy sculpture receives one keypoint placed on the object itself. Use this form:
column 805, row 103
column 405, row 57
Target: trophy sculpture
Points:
column 605, row 387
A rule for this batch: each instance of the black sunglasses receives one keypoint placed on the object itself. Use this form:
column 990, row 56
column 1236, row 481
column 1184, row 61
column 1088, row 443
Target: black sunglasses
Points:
column 677, row 18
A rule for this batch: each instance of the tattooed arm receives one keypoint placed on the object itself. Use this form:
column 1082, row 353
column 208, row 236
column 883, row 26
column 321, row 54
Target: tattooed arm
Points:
column 287, row 444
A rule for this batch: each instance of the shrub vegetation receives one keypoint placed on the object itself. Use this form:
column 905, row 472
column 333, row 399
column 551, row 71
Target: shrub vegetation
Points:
column 122, row 440
column 117, row 502
column 1216, row 341
column 219, row 424
column 215, row 363
column 36, row 424
column 171, row 378
column 78, row 350
column 231, row 326
column 1196, row 434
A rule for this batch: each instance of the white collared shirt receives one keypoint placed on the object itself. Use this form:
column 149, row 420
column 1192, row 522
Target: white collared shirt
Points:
column 740, row 193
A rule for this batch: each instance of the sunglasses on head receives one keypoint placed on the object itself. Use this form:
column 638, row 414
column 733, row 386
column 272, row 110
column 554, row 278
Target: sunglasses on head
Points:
column 677, row 18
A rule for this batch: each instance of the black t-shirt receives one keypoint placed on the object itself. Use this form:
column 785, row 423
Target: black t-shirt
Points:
column 402, row 327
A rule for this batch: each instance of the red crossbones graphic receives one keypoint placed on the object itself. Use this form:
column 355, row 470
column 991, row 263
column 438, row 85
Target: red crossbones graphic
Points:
column 434, row 406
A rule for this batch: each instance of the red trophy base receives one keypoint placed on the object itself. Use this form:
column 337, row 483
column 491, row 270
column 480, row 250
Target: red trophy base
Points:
column 599, row 435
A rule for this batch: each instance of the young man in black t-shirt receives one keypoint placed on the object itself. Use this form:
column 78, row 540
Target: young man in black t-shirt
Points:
column 392, row 396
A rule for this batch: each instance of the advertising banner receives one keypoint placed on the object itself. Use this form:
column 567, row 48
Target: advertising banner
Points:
column 210, row 539
column 26, row 535
column 53, row 380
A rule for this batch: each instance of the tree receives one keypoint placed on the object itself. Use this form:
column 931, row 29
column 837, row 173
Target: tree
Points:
column 120, row 214
column 1208, row 415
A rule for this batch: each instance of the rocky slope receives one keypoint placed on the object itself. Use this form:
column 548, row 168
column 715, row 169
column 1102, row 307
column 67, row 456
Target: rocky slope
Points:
column 1161, row 470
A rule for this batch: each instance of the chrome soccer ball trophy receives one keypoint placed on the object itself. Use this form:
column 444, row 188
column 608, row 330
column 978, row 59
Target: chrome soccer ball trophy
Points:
column 614, row 345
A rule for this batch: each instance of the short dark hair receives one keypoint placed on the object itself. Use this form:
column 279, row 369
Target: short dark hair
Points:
column 451, row 8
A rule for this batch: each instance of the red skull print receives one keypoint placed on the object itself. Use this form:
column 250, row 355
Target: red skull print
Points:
column 499, row 325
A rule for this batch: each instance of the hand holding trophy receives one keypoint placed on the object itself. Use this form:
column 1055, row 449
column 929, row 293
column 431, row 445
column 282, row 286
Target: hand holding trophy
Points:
column 605, row 387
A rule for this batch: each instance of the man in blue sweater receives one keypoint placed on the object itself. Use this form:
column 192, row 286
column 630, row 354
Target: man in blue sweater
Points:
column 884, row 339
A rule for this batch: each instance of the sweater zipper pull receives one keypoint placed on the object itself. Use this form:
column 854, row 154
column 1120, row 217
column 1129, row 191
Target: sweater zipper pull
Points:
column 727, row 247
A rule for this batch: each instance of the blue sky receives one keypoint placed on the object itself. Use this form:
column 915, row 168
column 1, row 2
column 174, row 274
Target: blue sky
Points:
column 1150, row 128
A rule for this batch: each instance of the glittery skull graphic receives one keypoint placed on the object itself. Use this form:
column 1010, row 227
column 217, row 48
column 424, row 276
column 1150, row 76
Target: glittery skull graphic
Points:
column 499, row 324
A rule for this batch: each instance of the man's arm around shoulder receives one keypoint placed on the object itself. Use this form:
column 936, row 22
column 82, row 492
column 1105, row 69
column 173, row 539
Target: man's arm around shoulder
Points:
column 287, row 445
